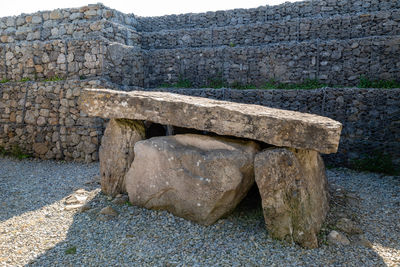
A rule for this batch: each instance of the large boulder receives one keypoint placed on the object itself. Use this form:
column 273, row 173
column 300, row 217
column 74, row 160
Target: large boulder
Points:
column 293, row 189
column 117, row 153
column 200, row 178
column 277, row 127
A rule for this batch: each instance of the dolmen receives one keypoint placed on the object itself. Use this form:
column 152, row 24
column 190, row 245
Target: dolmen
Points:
column 204, row 176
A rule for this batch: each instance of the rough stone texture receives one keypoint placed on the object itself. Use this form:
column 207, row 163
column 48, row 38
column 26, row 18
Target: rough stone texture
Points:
column 272, row 126
column 200, row 178
column 370, row 117
column 348, row 226
column 293, row 189
column 263, row 14
column 336, row 238
column 116, row 153
column 335, row 41
column 43, row 119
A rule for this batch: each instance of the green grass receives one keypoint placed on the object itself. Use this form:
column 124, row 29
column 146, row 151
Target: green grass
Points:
column 366, row 83
column 215, row 83
column 53, row 79
column 4, row 80
column 218, row 82
column 70, row 251
column 307, row 84
column 14, row 152
column 26, row 79
column 375, row 162
column 182, row 83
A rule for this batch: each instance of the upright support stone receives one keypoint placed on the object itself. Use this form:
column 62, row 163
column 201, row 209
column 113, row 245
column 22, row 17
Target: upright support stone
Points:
column 294, row 194
column 116, row 153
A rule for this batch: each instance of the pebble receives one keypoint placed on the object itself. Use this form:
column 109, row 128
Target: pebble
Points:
column 120, row 200
column 336, row 238
column 108, row 211
column 348, row 226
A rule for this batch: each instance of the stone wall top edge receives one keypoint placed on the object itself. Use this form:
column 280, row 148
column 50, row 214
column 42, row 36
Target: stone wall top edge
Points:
column 278, row 44
column 89, row 10
column 285, row 5
column 293, row 6
column 60, row 82
column 319, row 90
column 70, row 9
column 297, row 20
column 97, row 38
column 259, row 8
column 347, row 89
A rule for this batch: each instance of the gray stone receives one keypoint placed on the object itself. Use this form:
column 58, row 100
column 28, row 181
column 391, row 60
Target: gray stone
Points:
column 36, row 19
column 117, row 153
column 40, row 148
column 109, row 211
column 293, row 189
column 272, row 126
column 336, row 238
column 348, row 226
column 61, row 59
column 361, row 240
column 120, row 200
column 55, row 14
column 197, row 177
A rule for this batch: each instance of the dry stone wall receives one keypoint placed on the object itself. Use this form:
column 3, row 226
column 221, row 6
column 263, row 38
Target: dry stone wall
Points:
column 43, row 119
column 339, row 27
column 336, row 62
column 263, row 14
column 65, row 23
column 335, row 41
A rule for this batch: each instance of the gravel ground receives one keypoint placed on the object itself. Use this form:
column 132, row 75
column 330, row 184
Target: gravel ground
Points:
column 37, row 228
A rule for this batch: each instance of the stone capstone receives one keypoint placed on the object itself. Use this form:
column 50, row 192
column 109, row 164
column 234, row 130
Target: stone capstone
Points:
column 200, row 178
column 116, row 153
column 293, row 189
column 273, row 126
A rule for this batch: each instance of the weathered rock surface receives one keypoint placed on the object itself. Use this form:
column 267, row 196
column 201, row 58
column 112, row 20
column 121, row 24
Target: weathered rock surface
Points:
column 293, row 190
column 348, row 226
column 336, row 238
column 200, row 178
column 116, row 153
column 272, row 126
column 108, row 211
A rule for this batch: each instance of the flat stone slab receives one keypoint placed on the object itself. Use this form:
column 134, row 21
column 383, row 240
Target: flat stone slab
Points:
column 273, row 126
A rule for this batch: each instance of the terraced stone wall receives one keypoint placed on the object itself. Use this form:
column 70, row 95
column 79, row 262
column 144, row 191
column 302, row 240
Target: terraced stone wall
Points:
column 335, row 41
column 336, row 62
column 263, row 14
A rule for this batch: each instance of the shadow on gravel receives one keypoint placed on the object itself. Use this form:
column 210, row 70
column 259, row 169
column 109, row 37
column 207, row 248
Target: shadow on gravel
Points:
column 139, row 237
column 31, row 184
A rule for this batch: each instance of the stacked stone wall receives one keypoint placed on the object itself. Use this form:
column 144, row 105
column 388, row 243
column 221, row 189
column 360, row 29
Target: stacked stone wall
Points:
column 62, row 23
column 43, row 119
column 312, row 8
column 339, row 27
column 334, row 41
column 337, row 62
